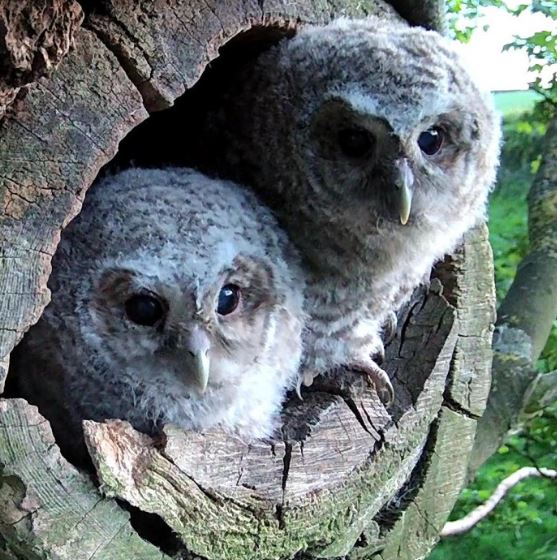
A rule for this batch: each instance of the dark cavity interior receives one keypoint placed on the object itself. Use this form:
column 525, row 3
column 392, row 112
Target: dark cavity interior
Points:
column 167, row 137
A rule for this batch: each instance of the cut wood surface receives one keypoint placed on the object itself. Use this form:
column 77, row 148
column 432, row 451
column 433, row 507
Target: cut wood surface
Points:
column 346, row 477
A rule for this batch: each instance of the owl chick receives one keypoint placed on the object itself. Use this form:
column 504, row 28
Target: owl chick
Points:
column 376, row 150
column 175, row 298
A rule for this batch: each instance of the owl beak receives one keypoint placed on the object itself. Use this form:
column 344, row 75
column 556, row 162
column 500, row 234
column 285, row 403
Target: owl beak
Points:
column 198, row 347
column 404, row 182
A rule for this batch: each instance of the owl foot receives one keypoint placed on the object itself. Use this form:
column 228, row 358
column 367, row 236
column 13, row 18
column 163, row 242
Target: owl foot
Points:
column 380, row 380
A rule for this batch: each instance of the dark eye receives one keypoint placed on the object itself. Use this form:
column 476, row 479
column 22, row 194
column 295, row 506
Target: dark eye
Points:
column 431, row 140
column 355, row 142
column 229, row 298
column 144, row 309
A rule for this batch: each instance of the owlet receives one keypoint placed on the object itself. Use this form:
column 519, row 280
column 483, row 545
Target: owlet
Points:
column 175, row 298
column 376, row 150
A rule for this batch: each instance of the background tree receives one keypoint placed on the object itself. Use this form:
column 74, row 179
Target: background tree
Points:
column 523, row 218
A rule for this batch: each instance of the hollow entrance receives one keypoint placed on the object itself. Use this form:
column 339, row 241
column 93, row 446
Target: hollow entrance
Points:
column 168, row 137
column 339, row 426
column 165, row 139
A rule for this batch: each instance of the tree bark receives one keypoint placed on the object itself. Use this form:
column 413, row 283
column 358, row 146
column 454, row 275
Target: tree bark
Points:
column 348, row 478
column 34, row 37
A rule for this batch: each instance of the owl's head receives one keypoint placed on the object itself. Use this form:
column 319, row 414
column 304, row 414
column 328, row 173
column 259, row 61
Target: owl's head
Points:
column 194, row 330
column 181, row 284
column 379, row 126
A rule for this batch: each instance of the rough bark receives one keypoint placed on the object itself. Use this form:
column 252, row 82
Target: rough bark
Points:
column 51, row 150
column 348, row 477
column 48, row 508
column 34, row 37
column 165, row 52
column 527, row 312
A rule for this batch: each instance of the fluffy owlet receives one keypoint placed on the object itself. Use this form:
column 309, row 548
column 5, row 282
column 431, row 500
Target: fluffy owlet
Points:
column 175, row 298
column 376, row 150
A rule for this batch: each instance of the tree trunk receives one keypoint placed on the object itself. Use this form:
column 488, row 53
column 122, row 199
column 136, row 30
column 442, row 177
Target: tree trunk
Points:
column 348, row 478
column 525, row 316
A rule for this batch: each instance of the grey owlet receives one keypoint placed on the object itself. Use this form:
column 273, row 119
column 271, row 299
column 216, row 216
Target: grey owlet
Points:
column 175, row 298
column 376, row 150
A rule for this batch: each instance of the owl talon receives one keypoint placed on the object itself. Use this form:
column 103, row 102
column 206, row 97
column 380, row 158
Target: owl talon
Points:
column 380, row 380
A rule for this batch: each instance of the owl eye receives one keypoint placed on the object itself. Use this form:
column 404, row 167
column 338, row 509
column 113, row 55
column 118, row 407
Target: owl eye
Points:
column 144, row 309
column 355, row 142
column 431, row 140
column 229, row 298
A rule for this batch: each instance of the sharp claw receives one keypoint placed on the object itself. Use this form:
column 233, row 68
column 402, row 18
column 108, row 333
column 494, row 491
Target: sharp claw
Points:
column 380, row 380
column 383, row 386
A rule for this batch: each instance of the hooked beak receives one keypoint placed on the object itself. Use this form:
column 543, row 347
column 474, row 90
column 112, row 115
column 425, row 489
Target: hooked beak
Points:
column 198, row 346
column 404, row 182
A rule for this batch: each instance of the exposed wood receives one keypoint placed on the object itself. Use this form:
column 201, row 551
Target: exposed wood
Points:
column 432, row 493
column 48, row 509
column 410, row 524
column 165, row 50
column 65, row 129
column 468, row 277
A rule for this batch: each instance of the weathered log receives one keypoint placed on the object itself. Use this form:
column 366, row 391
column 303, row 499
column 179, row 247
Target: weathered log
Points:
column 48, row 508
column 348, row 477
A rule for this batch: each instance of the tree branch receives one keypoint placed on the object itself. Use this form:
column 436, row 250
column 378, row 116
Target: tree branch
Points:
column 531, row 304
column 526, row 314
column 541, row 393
column 455, row 528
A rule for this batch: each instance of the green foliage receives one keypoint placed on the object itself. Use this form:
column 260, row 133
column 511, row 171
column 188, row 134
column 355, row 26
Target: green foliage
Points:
column 464, row 16
column 523, row 142
column 548, row 359
column 541, row 47
column 516, row 102
column 509, row 240
column 524, row 526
